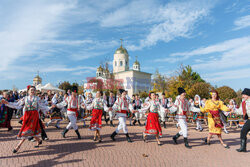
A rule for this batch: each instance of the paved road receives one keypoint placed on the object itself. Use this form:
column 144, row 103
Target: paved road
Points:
column 85, row 152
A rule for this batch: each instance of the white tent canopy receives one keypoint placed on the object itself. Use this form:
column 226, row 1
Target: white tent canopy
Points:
column 44, row 88
column 49, row 86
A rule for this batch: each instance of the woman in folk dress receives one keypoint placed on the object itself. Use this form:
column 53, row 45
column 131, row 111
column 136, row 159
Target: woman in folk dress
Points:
column 98, row 105
column 31, row 126
column 215, row 125
column 153, row 126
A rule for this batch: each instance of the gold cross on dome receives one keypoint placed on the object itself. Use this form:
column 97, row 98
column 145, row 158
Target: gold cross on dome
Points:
column 121, row 41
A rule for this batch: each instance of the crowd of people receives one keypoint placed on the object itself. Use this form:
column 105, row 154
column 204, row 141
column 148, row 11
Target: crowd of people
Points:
column 153, row 112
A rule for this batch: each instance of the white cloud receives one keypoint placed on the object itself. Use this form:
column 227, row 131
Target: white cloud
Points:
column 228, row 75
column 31, row 21
column 242, row 22
column 227, row 49
column 176, row 19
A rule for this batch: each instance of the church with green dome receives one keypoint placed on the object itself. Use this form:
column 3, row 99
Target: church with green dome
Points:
column 134, row 80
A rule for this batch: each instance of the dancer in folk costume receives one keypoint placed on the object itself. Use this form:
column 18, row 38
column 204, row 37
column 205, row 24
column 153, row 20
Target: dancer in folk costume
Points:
column 232, row 117
column 137, row 104
column 31, row 126
column 88, row 102
column 153, row 126
column 110, row 102
column 198, row 116
column 55, row 115
column 245, row 111
column 122, row 107
column 181, row 107
column 98, row 105
column 170, row 114
column 5, row 113
column 73, row 103
column 164, row 103
column 215, row 125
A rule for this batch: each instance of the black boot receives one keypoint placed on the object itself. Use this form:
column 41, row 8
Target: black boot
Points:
column 176, row 137
column 64, row 132
column 113, row 135
column 111, row 123
column 186, row 143
column 78, row 134
column 128, row 138
column 164, row 124
column 243, row 145
column 134, row 122
column 106, row 120
column 139, row 122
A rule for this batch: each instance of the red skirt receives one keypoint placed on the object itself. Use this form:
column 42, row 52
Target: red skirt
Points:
column 31, row 126
column 96, row 120
column 153, row 126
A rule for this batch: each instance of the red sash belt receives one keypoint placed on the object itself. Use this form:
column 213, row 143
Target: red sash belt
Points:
column 74, row 110
column 123, row 111
column 216, row 117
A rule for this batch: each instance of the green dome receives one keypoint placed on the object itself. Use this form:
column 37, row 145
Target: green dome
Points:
column 121, row 50
column 136, row 63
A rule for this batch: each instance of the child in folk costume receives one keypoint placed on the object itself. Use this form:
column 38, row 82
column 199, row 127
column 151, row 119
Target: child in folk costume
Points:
column 181, row 107
column 122, row 107
column 55, row 113
column 73, row 103
column 153, row 126
column 31, row 126
column 164, row 104
column 98, row 105
column 137, row 104
column 232, row 117
column 213, row 107
column 110, row 102
column 197, row 114
column 245, row 111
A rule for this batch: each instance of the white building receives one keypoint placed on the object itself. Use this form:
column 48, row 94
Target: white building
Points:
column 134, row 80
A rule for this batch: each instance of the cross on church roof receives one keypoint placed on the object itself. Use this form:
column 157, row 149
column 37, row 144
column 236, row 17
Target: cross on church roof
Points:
column 121, row 41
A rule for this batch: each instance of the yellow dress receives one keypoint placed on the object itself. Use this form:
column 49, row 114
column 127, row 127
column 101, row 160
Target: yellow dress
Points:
column 213, row 106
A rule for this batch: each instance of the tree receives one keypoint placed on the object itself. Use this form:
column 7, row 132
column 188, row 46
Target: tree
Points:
column 238, row 99
column 185, row 78
column 160, row 82
column 226, row 93
column 200, row 88
column 65, row 86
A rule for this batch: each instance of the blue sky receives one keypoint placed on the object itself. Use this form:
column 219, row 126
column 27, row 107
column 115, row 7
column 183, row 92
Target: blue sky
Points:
column 67, row 39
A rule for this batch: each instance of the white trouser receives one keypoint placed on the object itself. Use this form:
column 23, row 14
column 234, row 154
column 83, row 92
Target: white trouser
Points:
column 198, row 125
column 111, row 115
column 163, row 116
column 53, row 120
column 122, row 125
column 183, row 124
column 138, row 116
column 72, row 119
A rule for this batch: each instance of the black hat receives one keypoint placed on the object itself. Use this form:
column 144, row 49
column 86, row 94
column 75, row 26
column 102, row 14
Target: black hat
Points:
column 181, row 90
column 246, row 91
column 121, row 91
column 74, row 89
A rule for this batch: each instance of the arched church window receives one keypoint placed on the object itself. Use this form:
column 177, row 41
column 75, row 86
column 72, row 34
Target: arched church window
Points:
column 121, row 63
column 115, row 63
